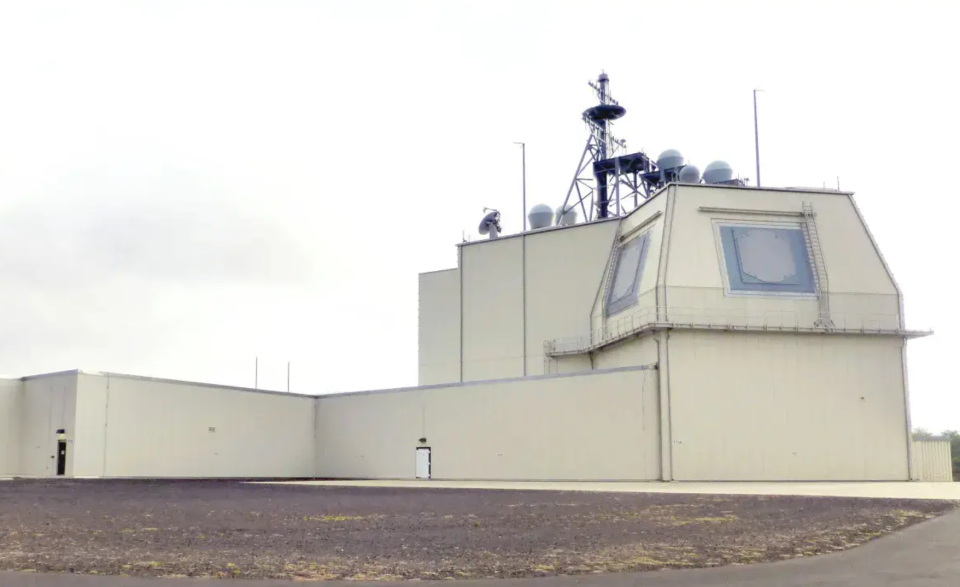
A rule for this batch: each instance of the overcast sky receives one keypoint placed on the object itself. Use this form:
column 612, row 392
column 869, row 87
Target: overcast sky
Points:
column 187, row 185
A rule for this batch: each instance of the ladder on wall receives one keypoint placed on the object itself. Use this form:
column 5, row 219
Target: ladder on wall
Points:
column 815, row 253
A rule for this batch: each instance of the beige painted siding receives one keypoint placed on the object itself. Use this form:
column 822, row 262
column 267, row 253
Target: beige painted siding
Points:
column 932, row 460
column 511, row 307
column 757, row 407
column 48, row 404
column 492, row 309
column 601, row 425
column 634, row 351
column 564, row 272
column 11, row 391
column 90, row 437
column 439, row 327
column 157, row 428
column 567, row 364
column 859, row 283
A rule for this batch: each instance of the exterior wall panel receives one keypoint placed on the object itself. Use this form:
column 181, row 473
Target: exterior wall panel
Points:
column 492, row 309
column 859, row 284
column 91, row 435
column 439, row 327
column 158, row 428
column 11, row 392
column 564, row 271
column 48, row 404
column 932, row 460
column 599, row 426
column 635, row 351
column 758, row 407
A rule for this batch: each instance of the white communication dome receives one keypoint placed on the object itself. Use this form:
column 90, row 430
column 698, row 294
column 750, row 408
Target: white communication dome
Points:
column 690, row 174
column 670, row 159
column 540, row 216
column 566, row 218
column 718, row 172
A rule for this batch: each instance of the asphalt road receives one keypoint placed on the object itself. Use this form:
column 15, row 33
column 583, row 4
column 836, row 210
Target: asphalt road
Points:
column 925, row 555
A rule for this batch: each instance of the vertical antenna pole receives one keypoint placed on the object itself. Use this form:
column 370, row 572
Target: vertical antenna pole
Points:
column 256, row 372
column 523, row 159
column 756, row 136
column 288, row 376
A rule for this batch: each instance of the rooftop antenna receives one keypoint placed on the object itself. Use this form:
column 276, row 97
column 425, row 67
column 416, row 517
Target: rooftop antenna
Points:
column 523, row 158
column 490, row 225
column 607, row 182
column 756, row 134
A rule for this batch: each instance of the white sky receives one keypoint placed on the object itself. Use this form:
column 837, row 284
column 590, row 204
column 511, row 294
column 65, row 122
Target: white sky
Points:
column 187, row 185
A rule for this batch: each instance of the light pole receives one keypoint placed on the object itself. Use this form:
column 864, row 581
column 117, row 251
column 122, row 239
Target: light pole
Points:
column 523, row 158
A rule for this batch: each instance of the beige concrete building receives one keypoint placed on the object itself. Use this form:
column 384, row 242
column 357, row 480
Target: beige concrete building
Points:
column 716, row 332
column 771, row 321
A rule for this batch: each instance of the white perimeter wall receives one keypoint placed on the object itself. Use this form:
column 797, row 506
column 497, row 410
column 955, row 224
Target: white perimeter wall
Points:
column 760, row 407
column 10, row 396
column 589, row 426
column 48, row 403
column 130, row 427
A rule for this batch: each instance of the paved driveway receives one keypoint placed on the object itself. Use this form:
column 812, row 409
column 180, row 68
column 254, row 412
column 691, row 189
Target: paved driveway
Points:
column 925, row 555
column 888, row 489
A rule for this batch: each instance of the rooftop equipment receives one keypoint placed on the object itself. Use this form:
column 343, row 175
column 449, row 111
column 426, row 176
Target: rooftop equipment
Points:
column 610, row 183
column 490, row 225
column 540, row 216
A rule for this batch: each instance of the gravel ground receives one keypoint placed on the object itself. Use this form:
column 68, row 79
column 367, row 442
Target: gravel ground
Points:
column 234, row 530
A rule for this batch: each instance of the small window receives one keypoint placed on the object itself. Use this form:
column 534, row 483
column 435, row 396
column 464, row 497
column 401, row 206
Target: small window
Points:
column 627, row 272
column 767, row 259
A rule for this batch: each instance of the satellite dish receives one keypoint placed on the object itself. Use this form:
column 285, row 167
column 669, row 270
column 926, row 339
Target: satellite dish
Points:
column 567, row 218
column 491, row 224
column 670, row 159
column 718, row 172
column 690, row 174
column 540, row 216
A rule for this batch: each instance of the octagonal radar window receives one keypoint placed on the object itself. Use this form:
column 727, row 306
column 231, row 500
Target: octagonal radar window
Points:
column 490, row 225
column 540, row 216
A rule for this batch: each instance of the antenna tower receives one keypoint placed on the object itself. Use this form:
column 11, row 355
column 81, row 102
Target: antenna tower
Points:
column 606, row 183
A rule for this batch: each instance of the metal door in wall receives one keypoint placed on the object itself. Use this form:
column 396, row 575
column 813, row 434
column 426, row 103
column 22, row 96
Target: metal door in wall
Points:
column 61, row 457
column 423, row 462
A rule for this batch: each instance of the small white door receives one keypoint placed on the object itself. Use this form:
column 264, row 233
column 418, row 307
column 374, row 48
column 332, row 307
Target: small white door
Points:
column 423, row 462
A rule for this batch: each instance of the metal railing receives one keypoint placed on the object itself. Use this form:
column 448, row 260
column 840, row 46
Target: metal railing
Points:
column 646, row 319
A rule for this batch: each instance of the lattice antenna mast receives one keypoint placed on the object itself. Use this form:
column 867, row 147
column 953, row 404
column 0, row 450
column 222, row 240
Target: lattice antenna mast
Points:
column 590, row 189
column 610, row 182
column 601, row 129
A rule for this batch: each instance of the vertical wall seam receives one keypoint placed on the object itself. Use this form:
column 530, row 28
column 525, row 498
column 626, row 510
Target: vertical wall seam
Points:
column 669, row 404
column 106, row 426
column 523, row 290
column 906, row 407
column 316, row 446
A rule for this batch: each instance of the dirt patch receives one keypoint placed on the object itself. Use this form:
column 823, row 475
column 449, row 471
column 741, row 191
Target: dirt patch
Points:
column 235, row 530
